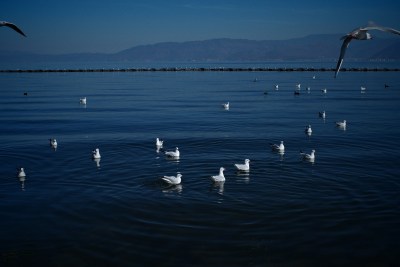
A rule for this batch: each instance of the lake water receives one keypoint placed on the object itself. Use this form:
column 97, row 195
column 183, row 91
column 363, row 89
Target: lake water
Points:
column 341, row 210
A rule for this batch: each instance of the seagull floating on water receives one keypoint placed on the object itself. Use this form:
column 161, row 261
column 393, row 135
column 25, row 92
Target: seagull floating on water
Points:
column 363, row 88
column 173, row 154
column 159, row 142
column 21, row 173
column 53, row 142
column 173, row 180
column 308, row 130
column 359, row 34
column 243, row 167
column 341, row 123
column 276, row 87
column 279, row 148
column 298, row 86
column 96, row 154
column 82, row 101
column 309, row 157
column 220, row 177
column 12, row 26
column 324, row 90
column 226, row 105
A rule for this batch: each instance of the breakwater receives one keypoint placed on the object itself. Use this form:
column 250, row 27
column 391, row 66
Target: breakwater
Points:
column 176, row 69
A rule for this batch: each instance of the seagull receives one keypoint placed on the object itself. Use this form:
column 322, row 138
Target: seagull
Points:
column 280, row 147
column 363, row 88
column 359, row 34
column 82, row 101
column 159, row 142
column 308, row 129
column 298, row 85
column 341, row 123
column 322, row 114
column 21, row 173
column 12, row 26
column 324, row 90
column 96, row 154
column 53, row 142
column 309, row 157
column 173, row 154
column 226, row 105
column 173, row 180
column 243, row 167
column 276, row 87
column 220, row 177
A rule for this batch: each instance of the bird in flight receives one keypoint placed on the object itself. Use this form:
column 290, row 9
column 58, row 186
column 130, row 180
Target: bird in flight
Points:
column 12, row 26
column 359, row 34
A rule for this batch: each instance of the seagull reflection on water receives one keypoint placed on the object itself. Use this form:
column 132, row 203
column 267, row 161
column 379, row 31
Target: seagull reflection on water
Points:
column 97, row 162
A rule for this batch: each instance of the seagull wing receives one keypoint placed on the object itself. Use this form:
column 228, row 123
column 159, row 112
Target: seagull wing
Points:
column 13, row 26
column 345, row 44
column 385, row 29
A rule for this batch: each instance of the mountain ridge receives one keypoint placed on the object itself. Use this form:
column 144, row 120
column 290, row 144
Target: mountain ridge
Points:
column 311, row 47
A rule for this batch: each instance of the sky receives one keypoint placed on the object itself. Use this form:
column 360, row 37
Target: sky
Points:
column 98, row 26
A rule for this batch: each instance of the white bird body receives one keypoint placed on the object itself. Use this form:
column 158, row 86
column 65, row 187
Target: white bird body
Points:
column 309, row 157
column 324, row 90
column 243, row 167
column 322, row 114
column 21, row 173
column 53, row 142
column 12, row 26
column 280, row 147
column 341, row 123
column 159, row 143
column 226, row 105
column 363, row 88
column 298, row 86
column 173, row 154
column 96, row 154
column 359, row 34
column 173, row 180
column 276, row 87
column 220, row 177
column 308, row 129
column 82, row 101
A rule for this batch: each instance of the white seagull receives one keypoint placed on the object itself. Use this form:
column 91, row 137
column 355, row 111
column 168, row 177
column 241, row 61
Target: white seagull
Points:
column 173, row 180
column 173, row 154
column 12, row 26
column 308, row 129
column 363, row 88
column 159, row 142
column 298, row 86
column 276, row 87
column 82, row 101
column 226, row 105
column 324, row 90
column 309, row 157
column 96, row 154
column 322, row 114
column 359, row 34
column 341, row 123
column 21, row 173
column 220, row 177
column 243, row 167
column 53, row 142
column 279, row 148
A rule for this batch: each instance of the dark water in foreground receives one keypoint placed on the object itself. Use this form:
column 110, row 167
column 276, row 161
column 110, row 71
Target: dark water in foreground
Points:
column 341, row 210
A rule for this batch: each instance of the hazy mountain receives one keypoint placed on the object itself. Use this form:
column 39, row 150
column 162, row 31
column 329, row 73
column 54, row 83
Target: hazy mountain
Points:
column 313, row 47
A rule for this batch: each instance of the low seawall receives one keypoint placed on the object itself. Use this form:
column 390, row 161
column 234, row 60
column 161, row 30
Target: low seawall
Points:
column 198, row 69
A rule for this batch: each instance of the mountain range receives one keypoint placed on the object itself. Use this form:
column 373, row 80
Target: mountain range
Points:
column 314, row 47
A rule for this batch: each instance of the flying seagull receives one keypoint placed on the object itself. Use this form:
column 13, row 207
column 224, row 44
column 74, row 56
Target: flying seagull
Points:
column 12, row 26
column 359, row 34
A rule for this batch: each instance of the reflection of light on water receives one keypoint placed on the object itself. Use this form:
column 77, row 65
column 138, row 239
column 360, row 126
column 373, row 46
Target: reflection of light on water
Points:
column 173, row 189
column 220, row 186
column 97, row 162
column 22, row 181
column 243, row 177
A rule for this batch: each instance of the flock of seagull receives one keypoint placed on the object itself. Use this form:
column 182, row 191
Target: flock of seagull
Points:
column 357, row 34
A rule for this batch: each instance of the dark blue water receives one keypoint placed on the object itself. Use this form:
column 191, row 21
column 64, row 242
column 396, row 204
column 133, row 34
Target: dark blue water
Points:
column 341, row 210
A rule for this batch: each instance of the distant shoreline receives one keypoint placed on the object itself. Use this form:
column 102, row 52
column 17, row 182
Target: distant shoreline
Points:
column 172, row 69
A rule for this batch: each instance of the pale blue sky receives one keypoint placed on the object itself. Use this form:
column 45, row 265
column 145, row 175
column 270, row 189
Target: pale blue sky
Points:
column 73, row 26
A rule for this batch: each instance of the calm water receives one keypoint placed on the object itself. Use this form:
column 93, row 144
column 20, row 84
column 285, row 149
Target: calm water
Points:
column 341, row 210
